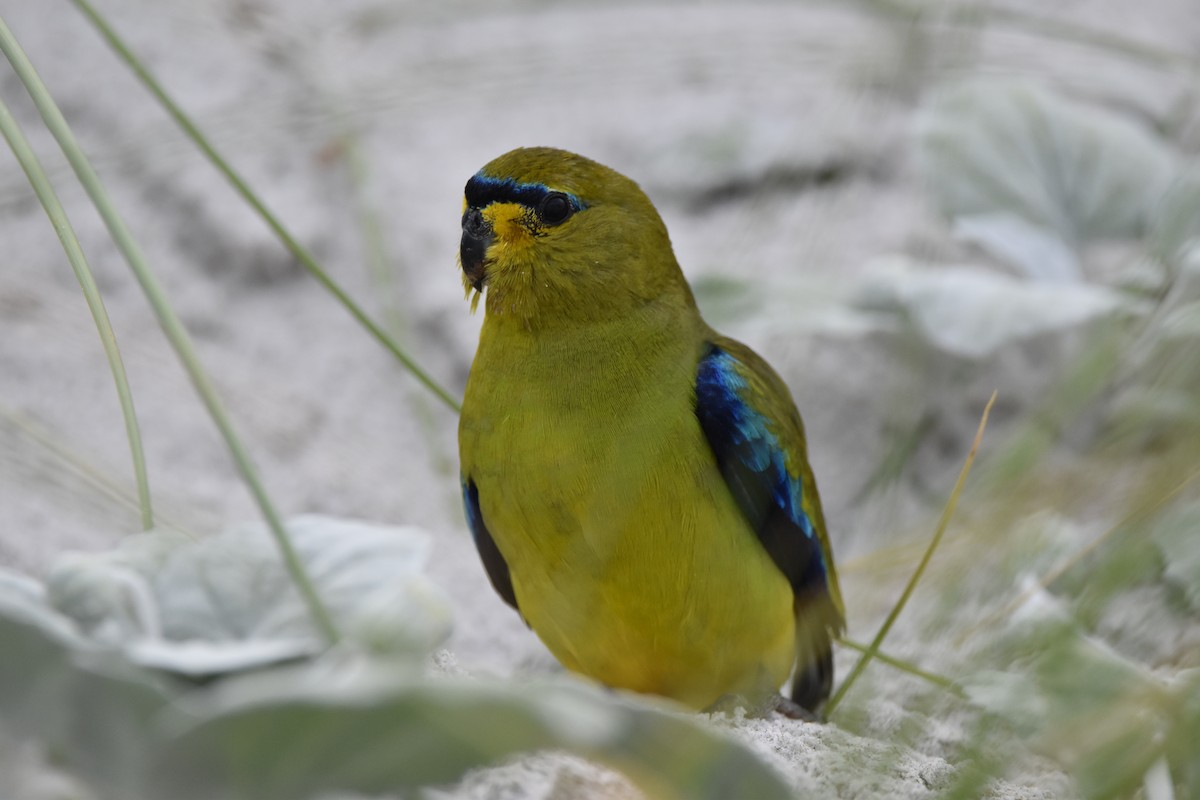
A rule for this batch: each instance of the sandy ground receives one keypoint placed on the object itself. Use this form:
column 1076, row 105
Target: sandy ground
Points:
column 774, row 139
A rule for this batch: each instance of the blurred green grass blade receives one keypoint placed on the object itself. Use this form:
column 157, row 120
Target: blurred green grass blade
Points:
column 167, row 318
column 301, row 254
column 943, row 523
column 898, row 456
column 1142, row 512
column 1081, row 383
column 91, row 293
column 904, row 666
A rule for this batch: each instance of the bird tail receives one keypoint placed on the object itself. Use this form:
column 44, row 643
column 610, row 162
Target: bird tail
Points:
column 817, row 622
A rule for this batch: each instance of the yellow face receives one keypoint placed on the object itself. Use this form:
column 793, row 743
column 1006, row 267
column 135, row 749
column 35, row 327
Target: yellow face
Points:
column 513, row 224
column 555, row 237
column 508, row 230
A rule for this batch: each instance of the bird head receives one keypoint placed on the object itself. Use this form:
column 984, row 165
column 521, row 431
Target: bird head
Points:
column 553, row 235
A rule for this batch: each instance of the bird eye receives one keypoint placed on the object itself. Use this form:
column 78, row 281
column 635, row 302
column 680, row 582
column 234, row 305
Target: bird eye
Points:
column 555, row 208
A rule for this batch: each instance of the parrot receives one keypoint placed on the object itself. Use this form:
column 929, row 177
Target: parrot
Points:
column 636, row 484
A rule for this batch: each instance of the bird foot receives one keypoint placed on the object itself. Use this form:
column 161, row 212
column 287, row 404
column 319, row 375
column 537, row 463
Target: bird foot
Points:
column 775, row 702
column 793, row 710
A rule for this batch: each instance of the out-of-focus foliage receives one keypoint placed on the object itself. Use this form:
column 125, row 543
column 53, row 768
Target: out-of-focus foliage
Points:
column 1177, row 536
column 1094, row 664
column 224, row 603
column 1102, row 714
column 1094, row 669
column 1159, row 400
column 1031, row 175
column 971, row 313
column 355, row 719
column 1175, row 226
column 1105, row 718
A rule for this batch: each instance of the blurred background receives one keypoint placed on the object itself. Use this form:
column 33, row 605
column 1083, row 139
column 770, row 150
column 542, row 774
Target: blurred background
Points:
column 903, row 204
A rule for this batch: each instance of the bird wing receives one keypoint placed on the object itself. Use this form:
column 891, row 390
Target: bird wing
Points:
column 493, row 561
column 757, row 437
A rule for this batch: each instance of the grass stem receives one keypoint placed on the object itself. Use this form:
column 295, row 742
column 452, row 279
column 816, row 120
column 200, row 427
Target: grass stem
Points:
column 872, row 650
column 301, row 253
column 91, row 293
column 168, row 320
column 904, row 666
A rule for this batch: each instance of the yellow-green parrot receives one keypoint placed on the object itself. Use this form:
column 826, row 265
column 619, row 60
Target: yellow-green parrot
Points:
column 637, row 485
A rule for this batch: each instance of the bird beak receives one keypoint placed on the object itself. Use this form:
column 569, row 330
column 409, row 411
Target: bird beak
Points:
column 477, row 236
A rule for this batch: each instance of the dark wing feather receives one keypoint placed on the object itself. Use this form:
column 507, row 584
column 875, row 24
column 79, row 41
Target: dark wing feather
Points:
column 493, row 562
column 757, row 438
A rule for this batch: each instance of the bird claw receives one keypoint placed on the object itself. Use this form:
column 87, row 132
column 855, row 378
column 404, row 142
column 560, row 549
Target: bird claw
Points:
column 793, row 710
column 775, row 702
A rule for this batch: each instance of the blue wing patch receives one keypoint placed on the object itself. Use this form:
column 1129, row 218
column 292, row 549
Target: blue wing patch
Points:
column 493, row 561
column 753, row 463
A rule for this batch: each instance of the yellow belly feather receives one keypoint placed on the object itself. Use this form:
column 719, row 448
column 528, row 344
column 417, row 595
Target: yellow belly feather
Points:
column 628, row 555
